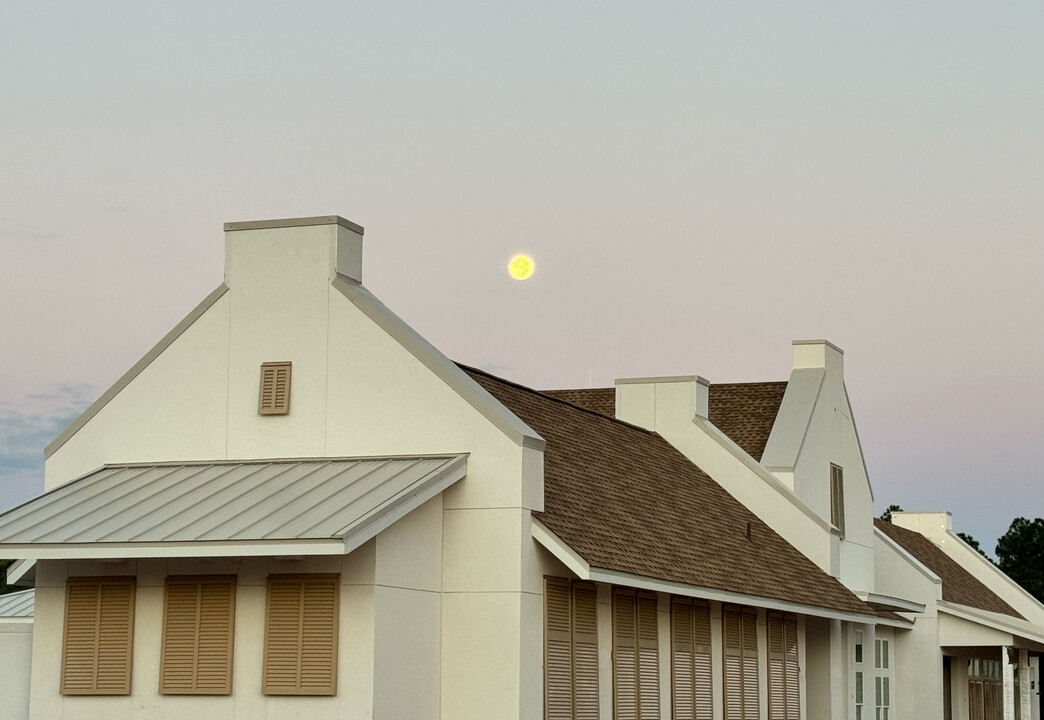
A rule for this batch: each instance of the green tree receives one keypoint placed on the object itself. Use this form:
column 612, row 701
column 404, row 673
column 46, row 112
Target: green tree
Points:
column 887, row 514
column 1020, row 554
column 974, row 544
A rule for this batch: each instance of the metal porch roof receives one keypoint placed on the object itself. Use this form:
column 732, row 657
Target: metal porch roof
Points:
column 220, row 502
column 17, row 604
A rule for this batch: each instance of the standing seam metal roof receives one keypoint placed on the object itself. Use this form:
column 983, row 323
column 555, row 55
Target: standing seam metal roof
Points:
column 17, row 604
column 224, row 501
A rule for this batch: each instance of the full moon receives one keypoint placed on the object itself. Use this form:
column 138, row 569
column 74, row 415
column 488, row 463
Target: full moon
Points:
column 520, row 267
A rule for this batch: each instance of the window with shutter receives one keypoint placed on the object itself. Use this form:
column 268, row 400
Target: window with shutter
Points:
column 783, row 688
column 300, row 655
column 740, row 645
column 837, row 498
column 98, row 638
column 691, row 660
column 636, row 673
column 198, row 631
column 274, row 394
column 570, row 650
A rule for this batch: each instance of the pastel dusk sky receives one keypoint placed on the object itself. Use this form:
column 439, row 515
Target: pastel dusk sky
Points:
column 698, row 183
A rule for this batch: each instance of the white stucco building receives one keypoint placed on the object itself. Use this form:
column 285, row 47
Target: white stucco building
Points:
column 295, row 506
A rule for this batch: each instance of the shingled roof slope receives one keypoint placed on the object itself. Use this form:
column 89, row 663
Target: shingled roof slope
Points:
column 958, row 585
column 626, row 500
column 745, row 412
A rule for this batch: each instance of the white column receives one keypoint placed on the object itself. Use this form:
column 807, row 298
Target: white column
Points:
column 1024, row 685
column 1008, row 675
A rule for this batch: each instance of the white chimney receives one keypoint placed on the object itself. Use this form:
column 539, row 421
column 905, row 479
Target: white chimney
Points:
column 327, row 245
column 649, row 402
column 816, row 354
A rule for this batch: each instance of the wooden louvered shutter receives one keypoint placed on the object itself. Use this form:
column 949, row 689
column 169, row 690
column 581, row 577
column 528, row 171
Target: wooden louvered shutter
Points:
column 585, row 651
column 558, row 666
column 790, row 663
column 740, row 639
column 777, row 672
column 648, row 658
column 98, row 639
column 625, row 654
column 274, row 393
column 300, row 656
column 198, row 632
column 691, row 684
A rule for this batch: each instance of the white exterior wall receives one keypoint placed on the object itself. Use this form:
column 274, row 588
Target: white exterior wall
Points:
column 16, row 656
column 356, row 391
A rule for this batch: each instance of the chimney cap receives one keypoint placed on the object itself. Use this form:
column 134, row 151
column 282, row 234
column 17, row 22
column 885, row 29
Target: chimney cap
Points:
column 818, row 342
column 294, row 222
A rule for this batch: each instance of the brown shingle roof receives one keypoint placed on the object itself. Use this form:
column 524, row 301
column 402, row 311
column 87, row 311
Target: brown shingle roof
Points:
column 745, row 412
column 626, row 500
column 958, row 585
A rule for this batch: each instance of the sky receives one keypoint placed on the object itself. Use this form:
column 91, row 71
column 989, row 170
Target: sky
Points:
column 698, row 183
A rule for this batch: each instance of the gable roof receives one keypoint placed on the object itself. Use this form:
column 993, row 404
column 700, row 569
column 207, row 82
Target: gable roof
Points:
column 17, row 604
column 321, row 506
column 958, row 585
column 745, row 412
column 627, row 500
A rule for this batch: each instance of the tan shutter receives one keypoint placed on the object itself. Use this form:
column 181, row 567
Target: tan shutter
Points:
column 274, row 393
column 98, row 639
column 777, row 680
column 790, row 661
column 625, row 647
column 585, row 651
column 300, row 656
column 558, row 675
column 837, row 498
column 648, row 658
column 740, row 640
column 682, row 666
column 702, row 682
column 198, row 632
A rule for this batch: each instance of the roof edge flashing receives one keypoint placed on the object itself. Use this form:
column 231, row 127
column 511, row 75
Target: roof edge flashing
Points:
column 294, row 222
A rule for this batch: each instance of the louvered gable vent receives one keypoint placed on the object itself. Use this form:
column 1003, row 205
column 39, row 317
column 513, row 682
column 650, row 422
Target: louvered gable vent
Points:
column 99, row 631
column 274, row 394
column 300, row 656
column 198, row 632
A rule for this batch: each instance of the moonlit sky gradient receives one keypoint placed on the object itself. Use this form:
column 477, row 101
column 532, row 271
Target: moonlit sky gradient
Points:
column 698, row 184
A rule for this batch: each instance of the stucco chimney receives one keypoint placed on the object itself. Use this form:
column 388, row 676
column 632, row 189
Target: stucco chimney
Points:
column 327, row 245
column 651, row 401
column 813, row 354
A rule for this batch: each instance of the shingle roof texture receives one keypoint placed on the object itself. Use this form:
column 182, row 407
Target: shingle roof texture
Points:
column 958, row 585
column 626, row 500
column 745, row 412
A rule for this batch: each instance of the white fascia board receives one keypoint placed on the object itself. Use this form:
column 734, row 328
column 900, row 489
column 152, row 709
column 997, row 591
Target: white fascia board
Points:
column 569, row 557
column 973, row 555
column 859, row 443
column 15, row 621
column 892, row 603
column 17, row 571
column 228, row 548
column 584, row 571
column 754, row 466
column 913, row 562
column 477, row 396
column 995, row 621
column 383, row 517
column 136, row 369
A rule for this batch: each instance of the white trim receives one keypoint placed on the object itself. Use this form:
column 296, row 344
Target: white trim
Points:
column 584, row 571
column 972, row 553
column 995, row 621
column 891, row 603
column 473, row 393
column 227, row 548
column 16, row 620
column 803, row 419
column 914, row 562
column 664, row 379
column 771, row 480
column 18, row 570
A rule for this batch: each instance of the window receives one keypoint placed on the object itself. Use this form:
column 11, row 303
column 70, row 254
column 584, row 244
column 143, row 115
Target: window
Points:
column 198, row 629
column 570, row 650
column 274, row 394
column 740, row 640
column 300, row 656
column 881, row 654
column 636, row 666
column 859, row 646
column 98, row 639
column 691, row 659
column 882, row 682
column 837, row 498
column 859, row 675
column 783, row 681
